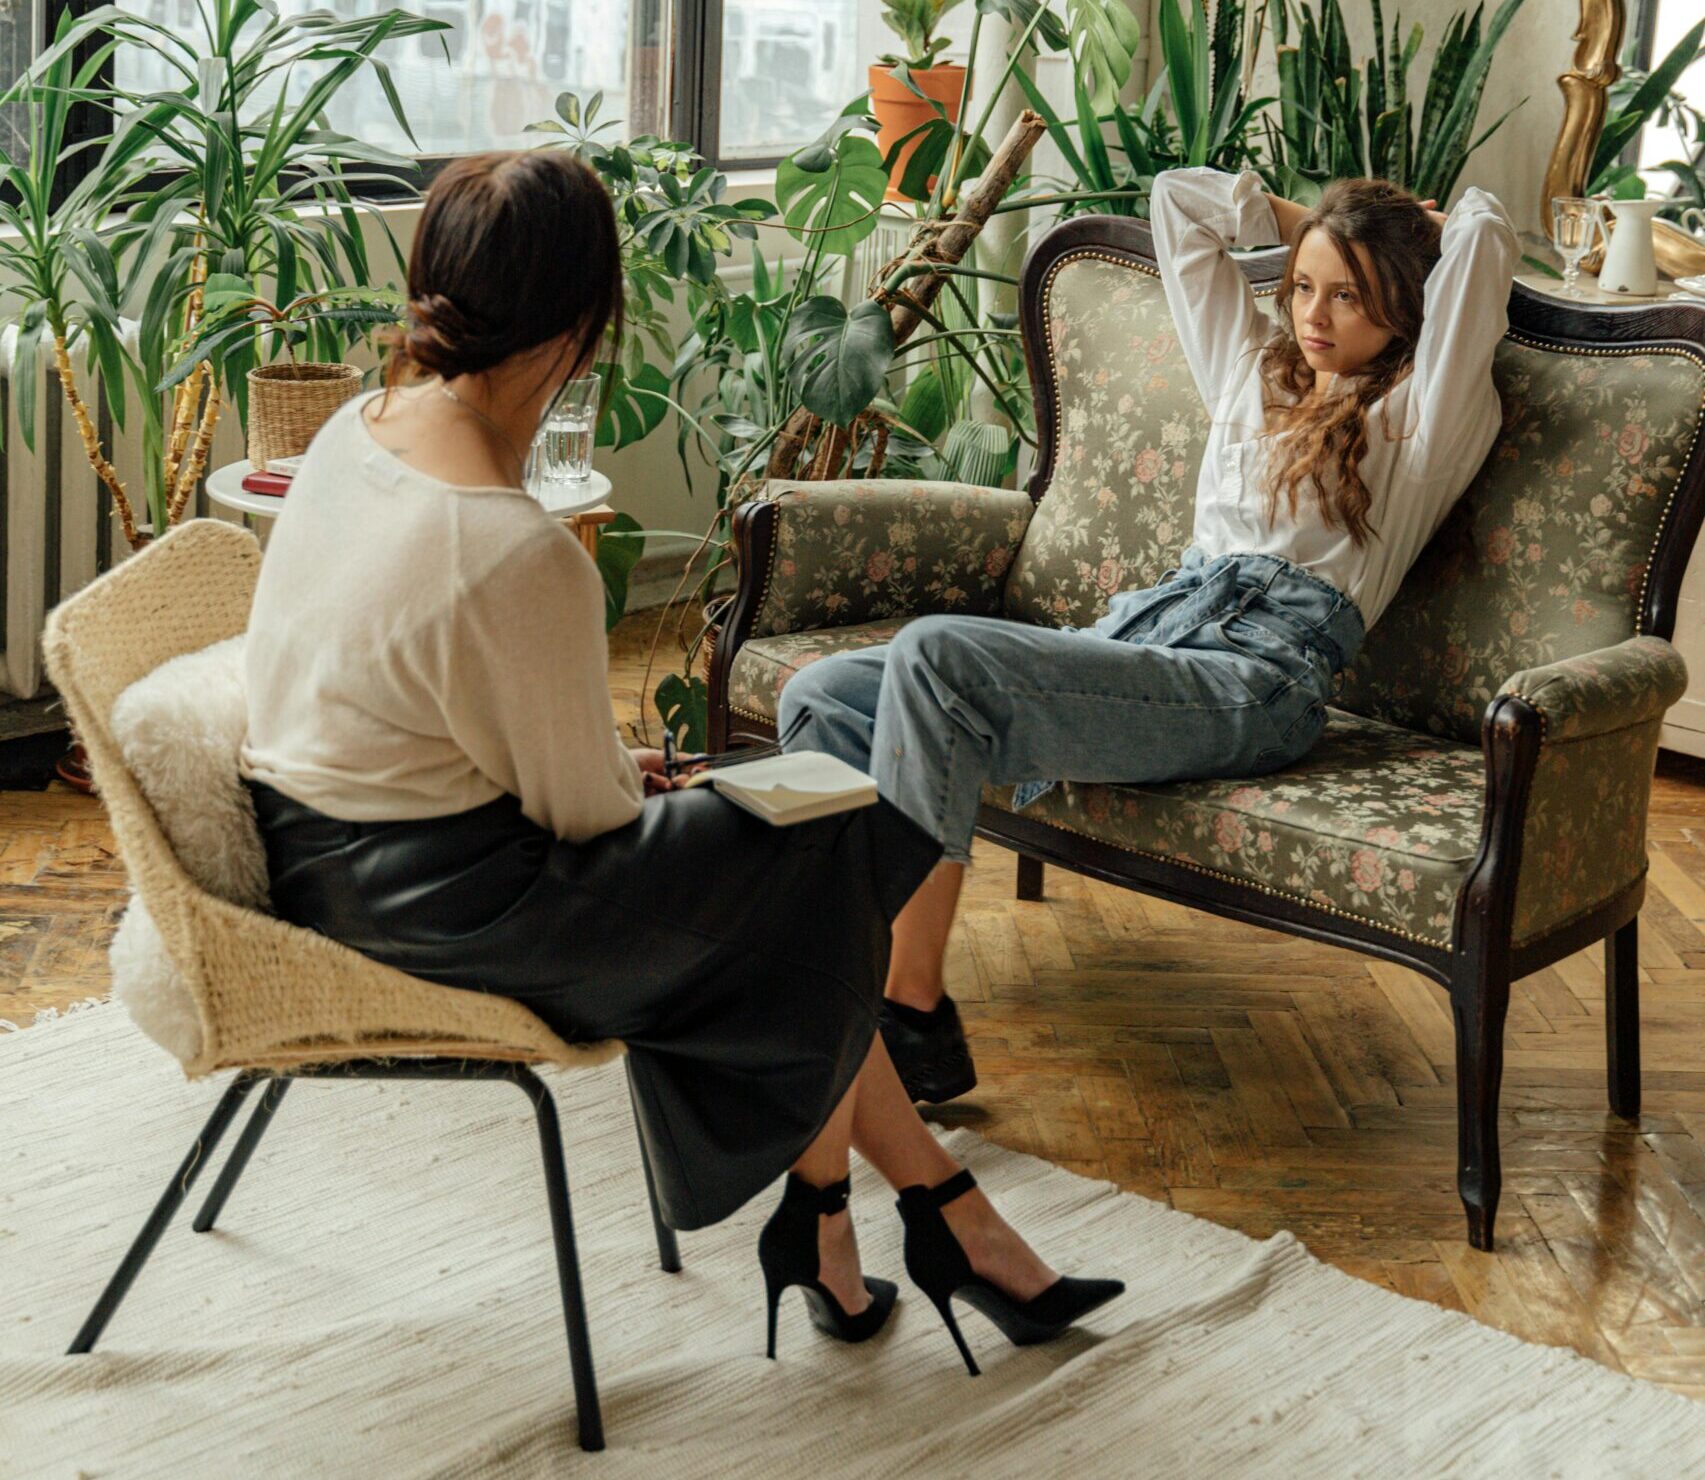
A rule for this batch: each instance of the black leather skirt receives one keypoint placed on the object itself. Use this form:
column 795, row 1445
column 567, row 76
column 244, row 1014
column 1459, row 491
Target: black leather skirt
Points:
column 741, row 963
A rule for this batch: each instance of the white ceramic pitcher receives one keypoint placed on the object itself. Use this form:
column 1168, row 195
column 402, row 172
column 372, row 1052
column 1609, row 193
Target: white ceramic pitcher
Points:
column 1629, row 266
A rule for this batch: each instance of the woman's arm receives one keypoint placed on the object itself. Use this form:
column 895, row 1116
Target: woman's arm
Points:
column 527, row 690
column 1288, row 213
column 1464, row 316
column 1197, row 215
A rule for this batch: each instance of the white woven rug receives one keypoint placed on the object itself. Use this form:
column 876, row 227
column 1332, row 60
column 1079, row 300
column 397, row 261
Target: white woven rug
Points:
column 380, row 1301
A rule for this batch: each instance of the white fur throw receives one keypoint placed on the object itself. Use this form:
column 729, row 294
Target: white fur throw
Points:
column 179, row 729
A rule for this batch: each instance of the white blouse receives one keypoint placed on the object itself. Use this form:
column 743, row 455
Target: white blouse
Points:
column 1448, row 402
column 417, row 649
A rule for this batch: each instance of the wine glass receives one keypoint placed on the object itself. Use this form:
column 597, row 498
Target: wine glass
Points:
column 1572, row 222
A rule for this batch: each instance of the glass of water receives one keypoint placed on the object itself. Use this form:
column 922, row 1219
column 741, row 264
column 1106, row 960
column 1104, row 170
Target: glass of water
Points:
column 1572, row 224
column 562, row 453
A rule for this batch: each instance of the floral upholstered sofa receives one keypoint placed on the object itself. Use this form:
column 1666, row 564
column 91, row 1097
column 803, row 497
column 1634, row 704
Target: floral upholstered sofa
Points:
column 1477, row 807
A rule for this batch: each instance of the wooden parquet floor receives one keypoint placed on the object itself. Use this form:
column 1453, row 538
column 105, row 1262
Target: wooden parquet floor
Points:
column 1241, row 1075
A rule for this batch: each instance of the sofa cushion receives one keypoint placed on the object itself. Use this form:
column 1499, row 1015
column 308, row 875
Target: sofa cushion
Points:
column 1546, row 556
column 1376, row 823
column 1119, row 505
column 764, row 664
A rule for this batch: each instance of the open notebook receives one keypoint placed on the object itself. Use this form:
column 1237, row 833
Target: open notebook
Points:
column 784, row 789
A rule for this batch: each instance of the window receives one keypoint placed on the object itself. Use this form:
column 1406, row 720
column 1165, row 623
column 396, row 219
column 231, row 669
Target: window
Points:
column 786, row 71
column 20, row 22
column 748, row 81
column 508, row 60
column 1659, row 25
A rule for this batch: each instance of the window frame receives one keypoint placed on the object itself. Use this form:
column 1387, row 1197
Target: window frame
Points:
column 1645, row 43
column 694, row 83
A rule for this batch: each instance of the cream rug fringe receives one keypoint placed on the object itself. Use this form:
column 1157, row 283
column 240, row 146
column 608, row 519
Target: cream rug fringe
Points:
column 379, row 1300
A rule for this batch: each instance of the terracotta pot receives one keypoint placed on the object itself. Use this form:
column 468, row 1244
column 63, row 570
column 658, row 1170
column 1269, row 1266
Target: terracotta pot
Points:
column 899, row 111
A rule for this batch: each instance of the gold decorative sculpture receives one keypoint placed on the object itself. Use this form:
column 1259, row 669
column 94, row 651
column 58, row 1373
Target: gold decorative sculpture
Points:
column 1585, row 87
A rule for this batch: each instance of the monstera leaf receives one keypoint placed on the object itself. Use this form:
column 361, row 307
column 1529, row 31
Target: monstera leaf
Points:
column 837, row 203
column 620, row 544
column 1105, row 38
column 838, row 360
column 637, row 404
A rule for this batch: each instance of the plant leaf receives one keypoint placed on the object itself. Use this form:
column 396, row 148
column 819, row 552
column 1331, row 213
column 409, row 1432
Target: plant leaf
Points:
column 837, row 361
column 840, row 203
column 616, row 560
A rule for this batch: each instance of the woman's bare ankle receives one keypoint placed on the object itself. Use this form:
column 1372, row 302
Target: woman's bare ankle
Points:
column 838, row 1265
column 994, row 1248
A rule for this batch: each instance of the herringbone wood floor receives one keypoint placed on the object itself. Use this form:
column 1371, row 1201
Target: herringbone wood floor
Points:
column 1242, row 1075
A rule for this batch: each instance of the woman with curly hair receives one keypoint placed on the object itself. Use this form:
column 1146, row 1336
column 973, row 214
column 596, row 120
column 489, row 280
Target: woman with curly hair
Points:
column 1341, row 432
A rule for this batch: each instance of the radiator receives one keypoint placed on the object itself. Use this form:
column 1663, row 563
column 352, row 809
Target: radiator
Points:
column 58, row 530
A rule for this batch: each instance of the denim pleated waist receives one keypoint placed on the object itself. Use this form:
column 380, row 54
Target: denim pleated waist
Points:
column 1265, row 589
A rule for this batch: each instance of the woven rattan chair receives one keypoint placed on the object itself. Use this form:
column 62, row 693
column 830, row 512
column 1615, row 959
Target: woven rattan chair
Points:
column 276, row 1002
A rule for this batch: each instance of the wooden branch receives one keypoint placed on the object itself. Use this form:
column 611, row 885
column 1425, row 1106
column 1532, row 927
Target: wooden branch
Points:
column 932, row 242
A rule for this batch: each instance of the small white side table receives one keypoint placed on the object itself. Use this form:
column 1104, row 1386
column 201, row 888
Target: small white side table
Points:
column 583, row 510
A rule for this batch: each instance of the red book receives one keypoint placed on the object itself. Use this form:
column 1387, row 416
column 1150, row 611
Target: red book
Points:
column 277, row 484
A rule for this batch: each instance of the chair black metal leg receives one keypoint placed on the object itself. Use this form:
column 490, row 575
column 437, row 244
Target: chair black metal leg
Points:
column 1622, row 1018
column 184, row 1178
column 567, row 1262
column 668, row 1251
column 240, row 1154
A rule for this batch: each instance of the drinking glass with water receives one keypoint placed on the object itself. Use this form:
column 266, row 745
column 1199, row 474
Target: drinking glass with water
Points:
column 562, row 452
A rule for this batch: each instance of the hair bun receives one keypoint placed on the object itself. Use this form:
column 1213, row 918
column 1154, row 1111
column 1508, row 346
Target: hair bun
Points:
column 445, row 340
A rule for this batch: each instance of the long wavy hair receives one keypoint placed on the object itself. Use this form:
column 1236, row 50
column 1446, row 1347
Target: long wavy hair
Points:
column 1328, row 439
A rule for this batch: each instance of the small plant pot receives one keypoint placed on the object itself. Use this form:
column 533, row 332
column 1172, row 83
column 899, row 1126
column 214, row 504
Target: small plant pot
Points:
column 899, row 111
column 289, row 403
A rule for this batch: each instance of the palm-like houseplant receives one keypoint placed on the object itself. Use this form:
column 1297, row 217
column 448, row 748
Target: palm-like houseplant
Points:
column 259, row 191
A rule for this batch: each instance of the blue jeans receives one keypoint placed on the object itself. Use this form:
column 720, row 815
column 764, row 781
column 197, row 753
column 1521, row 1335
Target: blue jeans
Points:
column 1223, row 669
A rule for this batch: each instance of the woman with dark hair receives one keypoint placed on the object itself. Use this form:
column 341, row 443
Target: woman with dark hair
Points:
column 1339, row 438
column 440, row 784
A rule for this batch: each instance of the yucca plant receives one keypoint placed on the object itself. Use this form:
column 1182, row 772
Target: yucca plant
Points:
column 259, row 192
column 39, row 255
column 1337, row 118
column 1636, row 98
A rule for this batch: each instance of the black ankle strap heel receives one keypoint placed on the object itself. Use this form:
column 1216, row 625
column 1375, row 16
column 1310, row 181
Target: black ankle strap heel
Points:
column 787, row 1253
column 939, row 1266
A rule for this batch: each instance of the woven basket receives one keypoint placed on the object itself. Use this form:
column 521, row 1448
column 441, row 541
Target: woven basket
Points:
column 289, row 403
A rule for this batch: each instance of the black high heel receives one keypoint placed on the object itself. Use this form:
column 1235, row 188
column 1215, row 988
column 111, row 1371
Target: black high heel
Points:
column 939, row 1267
column 787, row 1250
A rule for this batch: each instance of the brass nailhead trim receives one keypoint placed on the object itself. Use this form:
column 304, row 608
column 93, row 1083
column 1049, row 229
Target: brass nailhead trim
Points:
column 1259, row 888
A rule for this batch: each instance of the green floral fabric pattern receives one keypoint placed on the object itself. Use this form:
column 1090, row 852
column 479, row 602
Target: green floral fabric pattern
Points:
column 859, row 549
column 1585, row 835
column 1545, row 555
column 1612, row 689
column 1120, row 504
column 1376, row 823
column 763, row 666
